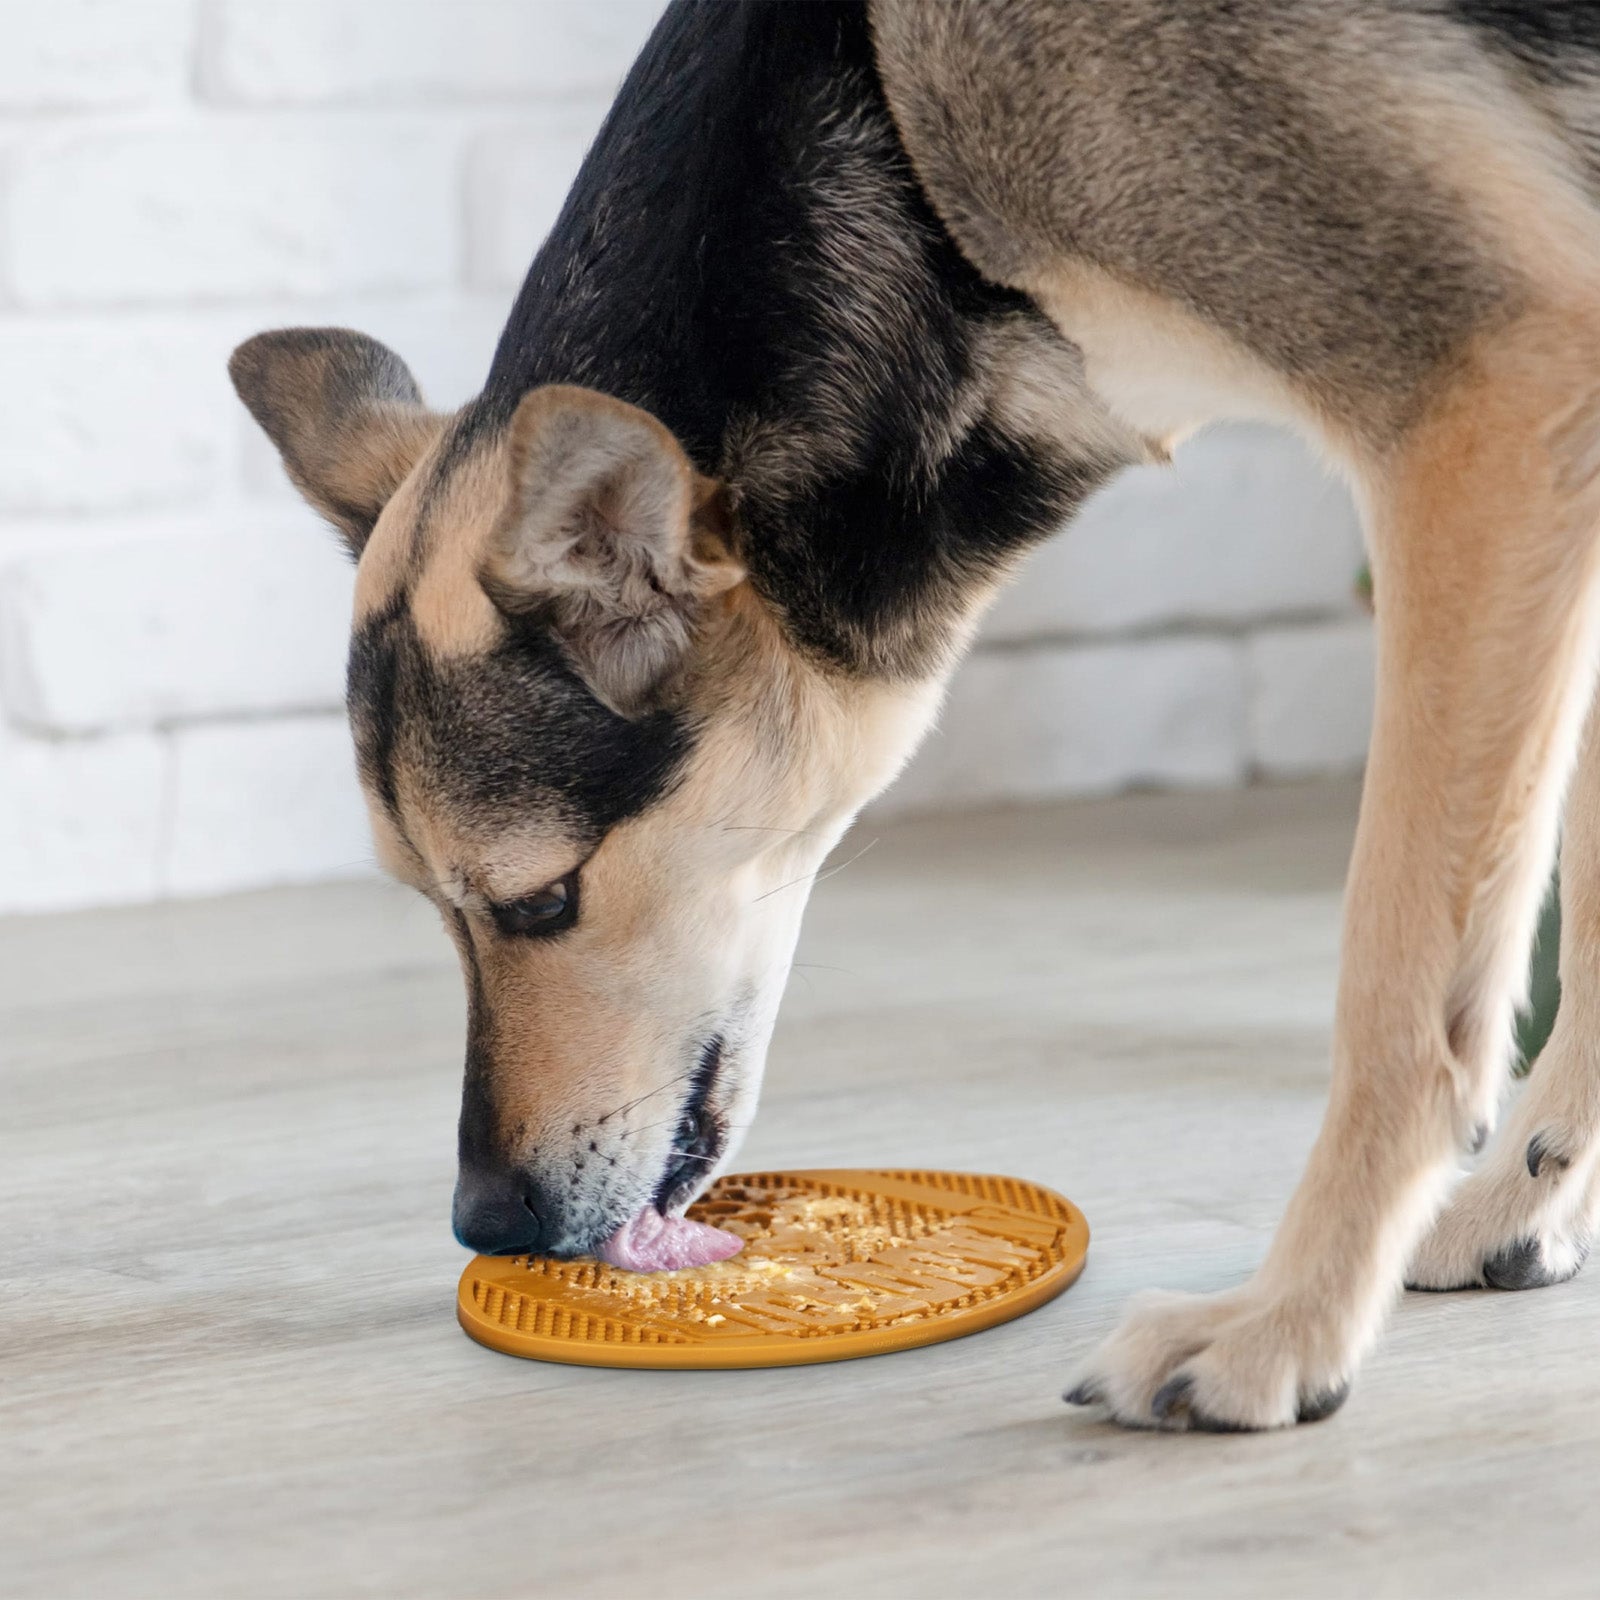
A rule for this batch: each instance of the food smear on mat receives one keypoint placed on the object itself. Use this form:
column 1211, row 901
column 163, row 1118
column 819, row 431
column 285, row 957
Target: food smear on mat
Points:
column 804, row 1258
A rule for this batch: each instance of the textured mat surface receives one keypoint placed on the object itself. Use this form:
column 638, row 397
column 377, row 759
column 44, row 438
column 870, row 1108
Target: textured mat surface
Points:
column 836, row 1264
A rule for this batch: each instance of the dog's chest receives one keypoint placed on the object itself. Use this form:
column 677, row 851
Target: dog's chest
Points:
column 1159, row 368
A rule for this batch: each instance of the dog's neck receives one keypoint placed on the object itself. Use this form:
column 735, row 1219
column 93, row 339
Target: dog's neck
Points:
column 747, row 254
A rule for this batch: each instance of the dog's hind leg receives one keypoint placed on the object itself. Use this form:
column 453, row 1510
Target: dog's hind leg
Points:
column 1524, row 1219
column 1483, row 520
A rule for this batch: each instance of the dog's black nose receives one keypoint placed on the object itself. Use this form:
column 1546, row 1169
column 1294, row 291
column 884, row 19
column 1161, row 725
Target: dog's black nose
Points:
column 502, row 1212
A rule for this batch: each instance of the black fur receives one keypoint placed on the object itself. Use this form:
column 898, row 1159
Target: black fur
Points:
column 477, row 1144
column 510, row 735
column 701, row 1133
column 746, row 249
column 1557, row 39
column 372, row 694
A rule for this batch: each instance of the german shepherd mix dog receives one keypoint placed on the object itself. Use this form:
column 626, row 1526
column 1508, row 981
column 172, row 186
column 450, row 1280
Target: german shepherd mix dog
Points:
column 849, row 306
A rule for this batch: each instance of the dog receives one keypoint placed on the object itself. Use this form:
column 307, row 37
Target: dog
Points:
column 850, row 306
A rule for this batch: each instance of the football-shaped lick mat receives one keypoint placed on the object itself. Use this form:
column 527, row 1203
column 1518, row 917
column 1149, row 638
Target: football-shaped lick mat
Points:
column 834, row 1265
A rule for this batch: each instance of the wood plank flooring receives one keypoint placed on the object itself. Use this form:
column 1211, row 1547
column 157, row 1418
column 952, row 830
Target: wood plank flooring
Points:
column 229, row 1364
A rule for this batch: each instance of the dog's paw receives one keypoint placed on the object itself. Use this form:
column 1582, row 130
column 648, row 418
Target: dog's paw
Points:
column 1225, row 1363
column 1515, row 1225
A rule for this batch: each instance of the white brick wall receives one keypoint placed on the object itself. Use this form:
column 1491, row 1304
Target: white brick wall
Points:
column 362, row 52
column 270, row 638
column 1310, row 696
column 177, row 174
column 1024, row 722
column 517, row 179
column 178, row 215
column 268, row 802
column 72, row 54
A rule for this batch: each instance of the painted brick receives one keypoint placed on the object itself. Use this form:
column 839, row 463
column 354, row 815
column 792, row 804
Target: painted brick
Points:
column 316, row 206
column 517, row 182
column 1032, row 722
column 133, row 410
column 95, row 414
column 302, row 52
column 262, row 803
column 45, row 535
column 176, row 628
column 80, row 821
column 66, row 54
column 137, row 595
column 1244, row 524
column 1310, row 694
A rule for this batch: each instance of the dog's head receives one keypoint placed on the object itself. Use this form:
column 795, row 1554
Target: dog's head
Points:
column 589, row 743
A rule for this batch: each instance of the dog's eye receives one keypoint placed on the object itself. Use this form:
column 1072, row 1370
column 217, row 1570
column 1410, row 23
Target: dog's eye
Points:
column 536, row 916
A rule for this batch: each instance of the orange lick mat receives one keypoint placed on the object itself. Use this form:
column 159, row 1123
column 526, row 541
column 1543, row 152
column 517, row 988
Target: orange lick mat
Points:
column 835, row 1265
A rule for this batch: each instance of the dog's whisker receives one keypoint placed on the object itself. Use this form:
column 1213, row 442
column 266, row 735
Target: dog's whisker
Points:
column 833, row 872
column 757, row 827
column 815, row 878
column 672, row 1083
column 650, row 1127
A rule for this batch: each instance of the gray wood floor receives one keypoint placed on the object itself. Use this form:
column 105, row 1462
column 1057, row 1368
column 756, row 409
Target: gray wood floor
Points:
column 229, row 1363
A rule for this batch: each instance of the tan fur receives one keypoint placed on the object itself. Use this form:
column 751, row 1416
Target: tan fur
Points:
column 1381, row 230
column 1160, row 368
column 1511, row 171
column 377, row 453
column 1484, row 532
column 1041, row 392
column 448, row 604
column 386, row 560
column 602, row 531
column 344, row 412
column 1544, row 1194
column 700, row 895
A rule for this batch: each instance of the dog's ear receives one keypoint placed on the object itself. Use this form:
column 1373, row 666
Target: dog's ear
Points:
column 345, row 414
column 612, row 537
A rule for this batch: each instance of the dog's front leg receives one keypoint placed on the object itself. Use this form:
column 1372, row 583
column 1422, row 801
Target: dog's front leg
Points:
column 1483, row 533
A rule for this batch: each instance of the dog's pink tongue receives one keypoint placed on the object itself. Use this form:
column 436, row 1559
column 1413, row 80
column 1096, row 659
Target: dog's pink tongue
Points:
column 651, row 1242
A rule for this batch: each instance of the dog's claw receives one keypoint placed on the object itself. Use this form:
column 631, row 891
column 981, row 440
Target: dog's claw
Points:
column 1536, row 1154
column 1172, row 1397
column 1542, row 1155
column 1087, row 1393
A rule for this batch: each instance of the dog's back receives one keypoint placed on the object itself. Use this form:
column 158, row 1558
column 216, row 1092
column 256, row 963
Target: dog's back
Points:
column 1332, row 187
